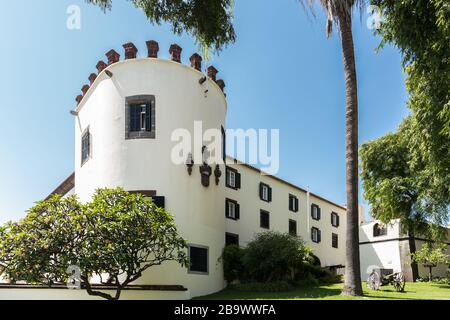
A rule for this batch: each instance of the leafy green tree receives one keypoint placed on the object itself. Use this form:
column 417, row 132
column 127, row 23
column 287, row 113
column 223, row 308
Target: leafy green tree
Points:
column 273, row 256
column 430, row 256
column 209, row 21
column 116, row 237
column 420, row 29
column 339, row 14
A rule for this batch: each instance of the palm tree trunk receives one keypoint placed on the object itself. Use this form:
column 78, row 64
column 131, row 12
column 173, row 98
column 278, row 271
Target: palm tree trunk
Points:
column 352, row 285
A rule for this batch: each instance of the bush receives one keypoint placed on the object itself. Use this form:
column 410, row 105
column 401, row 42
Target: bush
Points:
column 233, row 267
column 274, row 257
column 279, row 286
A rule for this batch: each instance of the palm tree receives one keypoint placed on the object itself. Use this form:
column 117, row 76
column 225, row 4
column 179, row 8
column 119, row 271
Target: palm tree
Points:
column 339, row 13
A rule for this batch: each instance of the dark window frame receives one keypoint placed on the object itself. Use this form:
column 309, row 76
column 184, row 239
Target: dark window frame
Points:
column 293, row 203
column 337, row 224
column 319, row 235
column 318, row 212
column 237, row 178
column 229, row 235
column 196, row 246
column 149, row 133
column 237, row 209
column 261, row 193
column 262, row 214
column 86, row 156
column 335, row 240
column 291, row 224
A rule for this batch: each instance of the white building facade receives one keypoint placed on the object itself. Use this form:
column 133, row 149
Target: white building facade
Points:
column 387, row 246
column 123, row 138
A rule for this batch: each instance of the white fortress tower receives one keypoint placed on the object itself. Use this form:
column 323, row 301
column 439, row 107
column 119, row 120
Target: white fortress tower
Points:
column 123, row 128
column 124, row 124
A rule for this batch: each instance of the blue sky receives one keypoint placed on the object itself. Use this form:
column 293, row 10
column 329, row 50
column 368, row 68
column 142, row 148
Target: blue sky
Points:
column 282, row 72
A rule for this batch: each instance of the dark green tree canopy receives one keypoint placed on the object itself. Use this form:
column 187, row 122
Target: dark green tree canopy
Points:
column 210, row 22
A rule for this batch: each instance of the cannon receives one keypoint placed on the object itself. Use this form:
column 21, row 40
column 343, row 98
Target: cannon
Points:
column 378, row 278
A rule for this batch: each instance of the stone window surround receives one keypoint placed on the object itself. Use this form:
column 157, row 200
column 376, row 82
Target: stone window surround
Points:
column 140, row 134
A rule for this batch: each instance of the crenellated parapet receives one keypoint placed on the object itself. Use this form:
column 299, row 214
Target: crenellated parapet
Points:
column 131, row 51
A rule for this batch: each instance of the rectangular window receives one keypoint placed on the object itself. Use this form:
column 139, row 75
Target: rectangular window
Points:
column 265, row 192
column 334, row 240
column 231, row 239
column 334, row 219
column 315, row 235
column 85, row 146
column 140, row 117
column 265, row 219
column 198, row 259
column 232, row 209
column 293, row 203
column 315, row 212
column 233, row 178
column 293, row 227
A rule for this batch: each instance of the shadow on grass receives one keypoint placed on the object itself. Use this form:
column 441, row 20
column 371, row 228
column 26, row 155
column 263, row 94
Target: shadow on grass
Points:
column 298, row 293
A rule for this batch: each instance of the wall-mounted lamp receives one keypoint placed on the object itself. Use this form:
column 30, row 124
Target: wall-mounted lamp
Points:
column 74, row 113
column 217, row 174
column 189, row 163
column 202, row 80
column 109, row 73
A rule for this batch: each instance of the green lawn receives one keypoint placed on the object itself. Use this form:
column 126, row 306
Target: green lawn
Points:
column 413, row 291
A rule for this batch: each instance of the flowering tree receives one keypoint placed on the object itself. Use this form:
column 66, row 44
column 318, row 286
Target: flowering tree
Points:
column 115, row 238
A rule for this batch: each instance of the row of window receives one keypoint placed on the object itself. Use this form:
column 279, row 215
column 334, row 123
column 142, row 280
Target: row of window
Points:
column 233, row 181
column 199, row 255
column 232, row 211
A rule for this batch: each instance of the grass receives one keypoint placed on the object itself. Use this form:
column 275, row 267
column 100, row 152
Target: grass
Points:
column 413, row 291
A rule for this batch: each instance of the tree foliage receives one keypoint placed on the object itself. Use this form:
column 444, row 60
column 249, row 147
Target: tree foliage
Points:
column 209, row 21
column 274, row 256
column 430, row 255
column 115, row 237
column 412, row 178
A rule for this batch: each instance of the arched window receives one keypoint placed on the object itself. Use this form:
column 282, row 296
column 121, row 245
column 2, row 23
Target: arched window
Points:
column 379, row 230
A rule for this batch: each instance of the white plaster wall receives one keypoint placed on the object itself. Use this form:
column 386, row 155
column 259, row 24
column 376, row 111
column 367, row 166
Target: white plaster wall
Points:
column 385, row 255
column 145, row 164
column 250, row 205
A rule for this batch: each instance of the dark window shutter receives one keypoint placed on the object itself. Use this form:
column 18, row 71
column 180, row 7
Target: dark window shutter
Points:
column 270, row 194
column 338, row 222
column 261, row 191
column 290, row 203
column 332, row 223
column 148, row 117
column 296, row 205
column 319, row 235
column 226, row 208
column 318, row 213
column 135, row 112
column 237, row 211
column 238, row 180
column 312, row 234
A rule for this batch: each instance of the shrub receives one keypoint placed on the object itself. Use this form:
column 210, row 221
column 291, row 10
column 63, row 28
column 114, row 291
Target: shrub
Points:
column 273, row 257
column 233, row 267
